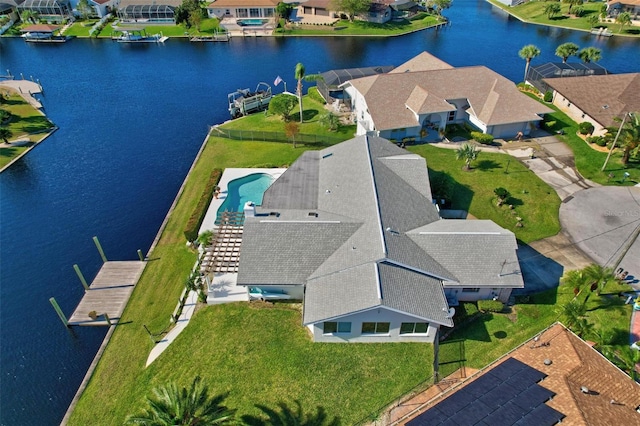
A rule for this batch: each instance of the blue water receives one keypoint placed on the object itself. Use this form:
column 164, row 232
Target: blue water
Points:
column 246, row 188
column 132, row 118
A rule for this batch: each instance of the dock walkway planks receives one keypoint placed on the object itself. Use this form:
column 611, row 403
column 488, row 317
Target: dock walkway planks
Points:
column 108, row 293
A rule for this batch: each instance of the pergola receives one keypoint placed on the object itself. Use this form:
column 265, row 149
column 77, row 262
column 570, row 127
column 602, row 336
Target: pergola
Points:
column 53, row 10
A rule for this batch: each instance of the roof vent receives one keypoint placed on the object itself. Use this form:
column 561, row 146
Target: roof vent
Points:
column 328, row 191
column 276, row 214
column 605, row 106
column 547, row 361
column 313, row 214
column 327, row 155
column 392, row 231
column 584, row 389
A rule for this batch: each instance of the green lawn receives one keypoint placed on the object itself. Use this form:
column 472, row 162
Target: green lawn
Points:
column 533, row 200
column 533, row 11
column 588, row 161
column 345, row 27
column 208, row 27
column 26, row 122
column 490, row 336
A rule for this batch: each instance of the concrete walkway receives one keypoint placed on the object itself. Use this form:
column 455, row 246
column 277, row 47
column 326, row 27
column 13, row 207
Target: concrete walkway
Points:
column 181, row 324
column 25, row 88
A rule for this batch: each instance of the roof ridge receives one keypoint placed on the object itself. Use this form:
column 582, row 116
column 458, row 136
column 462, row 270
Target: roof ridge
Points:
column 375, row 195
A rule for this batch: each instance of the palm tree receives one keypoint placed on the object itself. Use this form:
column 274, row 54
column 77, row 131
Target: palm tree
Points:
column 599, row 275
column 5, row 134
column 626, row 358
column 552, row 9
column 629, row 138
column 590, row 54
column 286, row 416
column 573, row 3
column 299, row 75
column 572, row 312
column 468, row 153
column 567, row 49
column 172, row 406
column 528, row 53
column 623, row 19
column 29, row 16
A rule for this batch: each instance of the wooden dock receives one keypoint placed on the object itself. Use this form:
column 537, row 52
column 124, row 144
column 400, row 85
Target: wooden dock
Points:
column 108, row 294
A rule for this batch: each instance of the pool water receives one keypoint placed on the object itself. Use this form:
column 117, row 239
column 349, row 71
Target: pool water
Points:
column 251, row 22
column 246, row 188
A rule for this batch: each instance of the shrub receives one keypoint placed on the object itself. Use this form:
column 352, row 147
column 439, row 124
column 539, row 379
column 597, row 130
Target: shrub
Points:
column 548, row 96
column 195, row 221
column 490, row 305
column 283, row 105
column 550, row 124
column 598, row 140
column 314, row 94
column 482, row 138
column 464, row 311
column 585, row 128
column 502, row 195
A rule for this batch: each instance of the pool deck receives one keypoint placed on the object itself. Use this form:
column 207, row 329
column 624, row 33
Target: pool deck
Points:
column 227, row 176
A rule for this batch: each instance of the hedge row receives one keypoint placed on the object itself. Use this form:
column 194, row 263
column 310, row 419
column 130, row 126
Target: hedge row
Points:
column 490, row 305
column 195, row 221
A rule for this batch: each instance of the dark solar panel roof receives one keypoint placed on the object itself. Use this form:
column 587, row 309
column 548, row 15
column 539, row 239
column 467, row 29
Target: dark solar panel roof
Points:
column 509, row 394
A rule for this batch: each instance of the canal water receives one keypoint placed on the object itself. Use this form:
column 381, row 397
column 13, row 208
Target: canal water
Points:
column 131, row 120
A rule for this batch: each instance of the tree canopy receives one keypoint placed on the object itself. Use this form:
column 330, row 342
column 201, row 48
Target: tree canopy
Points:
column 283, row 105
column 567, row 49
column 184, row 12
column 352, row 7
column 590, row 54
column 527, row 53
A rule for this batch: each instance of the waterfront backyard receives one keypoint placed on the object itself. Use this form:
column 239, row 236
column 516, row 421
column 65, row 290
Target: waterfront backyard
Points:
column 260, row 353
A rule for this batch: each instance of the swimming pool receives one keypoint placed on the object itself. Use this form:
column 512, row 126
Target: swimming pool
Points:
column 246, row 188
column 251, row 22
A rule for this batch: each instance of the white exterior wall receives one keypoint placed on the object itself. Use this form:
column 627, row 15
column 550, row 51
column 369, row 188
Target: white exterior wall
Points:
column 507, row 131
column 359, row 106
column 483, row 294
column 576, row 114
column 374, row 315
column 479, row 124
column 221, row 12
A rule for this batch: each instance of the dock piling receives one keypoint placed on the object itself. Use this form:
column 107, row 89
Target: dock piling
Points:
column 140, row 255
column 82, row 280
column 97, row 242
column 55, row 305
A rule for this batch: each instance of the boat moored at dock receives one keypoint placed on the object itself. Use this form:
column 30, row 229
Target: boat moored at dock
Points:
column 244, row 101
column 43, row 33
column 136, row 35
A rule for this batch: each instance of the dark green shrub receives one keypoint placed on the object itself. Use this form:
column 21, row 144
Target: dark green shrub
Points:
column 598, row 140
column 194, row 222
column 585, row 128
column 548, row 96
column 315, row 95
column 464, row 311
column 490, row 305
column 550, row 124
column 482, row 138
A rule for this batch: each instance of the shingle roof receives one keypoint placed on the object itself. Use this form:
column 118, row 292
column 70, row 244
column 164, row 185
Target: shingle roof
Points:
column 462, row 248
column 494, row 99
column 355, row 230
column 425, row 61
column 602, row 97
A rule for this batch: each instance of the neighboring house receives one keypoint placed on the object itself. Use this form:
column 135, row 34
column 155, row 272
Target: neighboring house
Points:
column 400, row 104
column 53, row 11
column 597, row 99
column 379, row 12
column 242, row 9
column 317, row 12
column 554, row 378
column 353, row 231
column 148, row 11
column 537, row 74
column 103, row 7
column 615, row 7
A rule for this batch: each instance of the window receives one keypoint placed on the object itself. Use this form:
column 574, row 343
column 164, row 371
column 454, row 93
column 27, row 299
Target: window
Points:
column 331, row 327
column 254, row 12
column 375, row 328
column 452, row 116
column 414, row 328
column 268, row 12
column 470, row 290
column 242, row 13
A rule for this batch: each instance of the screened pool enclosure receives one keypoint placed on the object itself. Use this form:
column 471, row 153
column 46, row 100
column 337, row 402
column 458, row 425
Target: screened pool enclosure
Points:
column 48, row 10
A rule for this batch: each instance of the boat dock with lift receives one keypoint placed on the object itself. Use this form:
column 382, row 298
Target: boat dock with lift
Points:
column 136, row 35
column 42, row 33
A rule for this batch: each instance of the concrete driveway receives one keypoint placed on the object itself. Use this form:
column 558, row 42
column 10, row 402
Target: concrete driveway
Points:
column 601, row 222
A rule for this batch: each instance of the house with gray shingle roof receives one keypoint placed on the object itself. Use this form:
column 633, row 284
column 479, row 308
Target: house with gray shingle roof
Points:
column 429, row 94
column 352, row 230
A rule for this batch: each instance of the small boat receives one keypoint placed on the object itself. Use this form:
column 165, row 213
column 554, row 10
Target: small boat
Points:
column 244, row 101
column 136, row 35
column 602, row 31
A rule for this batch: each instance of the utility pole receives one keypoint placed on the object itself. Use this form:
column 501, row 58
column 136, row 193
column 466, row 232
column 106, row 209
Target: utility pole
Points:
column 613, row 145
